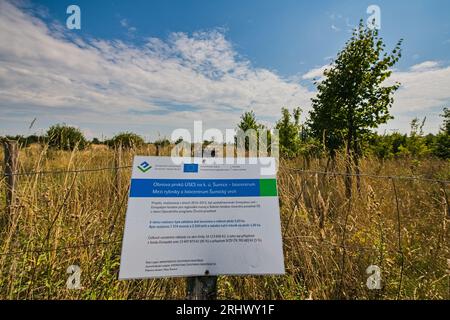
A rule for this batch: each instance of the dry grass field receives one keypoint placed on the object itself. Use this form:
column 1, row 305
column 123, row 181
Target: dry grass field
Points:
column 65, row 218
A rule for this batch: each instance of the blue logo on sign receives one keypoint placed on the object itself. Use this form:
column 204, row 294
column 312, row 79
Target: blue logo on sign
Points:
column 191, row 167
column 144, row 166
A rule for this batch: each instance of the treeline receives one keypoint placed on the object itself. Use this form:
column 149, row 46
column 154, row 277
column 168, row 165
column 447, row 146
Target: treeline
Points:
column 295, row 139
column 65, row 137
column 298, row 139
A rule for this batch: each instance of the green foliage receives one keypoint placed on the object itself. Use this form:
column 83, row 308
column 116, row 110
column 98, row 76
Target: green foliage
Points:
column 352, row 99
column 96, row 141
column 64, row 137
column 289, row 130
column 446, row 116
column 441, row 145
column 416, row 145
column 386, row 146
column 26, row 141
column 163, row 142
column 249, row 122
column 127, row 140
column 441, row 142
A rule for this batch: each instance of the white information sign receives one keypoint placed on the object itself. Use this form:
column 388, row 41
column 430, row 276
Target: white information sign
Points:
column 195, row 218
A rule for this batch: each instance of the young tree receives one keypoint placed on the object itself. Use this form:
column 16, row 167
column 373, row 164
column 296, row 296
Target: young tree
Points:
column 353, row 98
column 289, row 132
column 416, row 144
column 441, row 145
column 160, row 144
column 446, row 115
column 248, row 122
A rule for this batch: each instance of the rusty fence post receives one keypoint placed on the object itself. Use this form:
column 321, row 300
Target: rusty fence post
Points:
column 204, row 287
column 201, row 288
column 117, row 168
column 11, row 154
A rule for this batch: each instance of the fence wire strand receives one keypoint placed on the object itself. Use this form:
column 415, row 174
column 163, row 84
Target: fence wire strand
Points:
column 80, row 246
column 299, row 170
column 327, row 173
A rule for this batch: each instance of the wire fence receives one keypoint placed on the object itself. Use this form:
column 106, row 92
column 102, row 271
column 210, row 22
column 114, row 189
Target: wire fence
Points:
column 302, row 239
column 91, row 170
column 35, row 173
column 57, row 249
column 106, row 243
column 327, row 173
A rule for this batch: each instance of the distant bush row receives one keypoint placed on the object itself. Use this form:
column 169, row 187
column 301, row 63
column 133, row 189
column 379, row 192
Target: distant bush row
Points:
column 295, row 139
column 65, row 137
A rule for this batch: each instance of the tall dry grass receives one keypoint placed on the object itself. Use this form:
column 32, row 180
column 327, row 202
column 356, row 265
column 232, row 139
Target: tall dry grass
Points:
column 329, row 241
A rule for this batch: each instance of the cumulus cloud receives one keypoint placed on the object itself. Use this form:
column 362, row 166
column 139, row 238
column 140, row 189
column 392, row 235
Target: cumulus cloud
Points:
column 316, row 73
column 424, row 86
column 47, row 71
column 425, row 66
column 124, row 23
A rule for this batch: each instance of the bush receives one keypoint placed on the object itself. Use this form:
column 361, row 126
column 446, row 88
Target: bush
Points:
column 441, row 145
column 65, row 137
column 128, row 140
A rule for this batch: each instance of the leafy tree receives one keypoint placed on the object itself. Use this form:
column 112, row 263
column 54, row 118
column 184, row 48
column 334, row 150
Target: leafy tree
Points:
column 352, row 99
column 416, row 144
column 64, row 137
column 441, row 144
column 161, row 143
column 446, row 116
column 289, row 131
column 96, row 141
column 248, row 122
column 127, row 140
column 387, row 146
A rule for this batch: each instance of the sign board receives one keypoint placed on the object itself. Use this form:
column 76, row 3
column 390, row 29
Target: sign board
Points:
column 194, row 219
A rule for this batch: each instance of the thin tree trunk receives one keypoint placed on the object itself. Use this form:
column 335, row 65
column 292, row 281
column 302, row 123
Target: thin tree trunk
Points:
column 356, row 156
column 348, row 164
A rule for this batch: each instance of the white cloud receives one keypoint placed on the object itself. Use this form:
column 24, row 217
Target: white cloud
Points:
column 46, row 71
column 316, row 73
column 124, row 23
column 425, row 66
column 334, row 28
column 425, row 86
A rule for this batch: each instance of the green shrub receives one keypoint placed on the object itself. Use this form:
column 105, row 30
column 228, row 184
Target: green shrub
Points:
column 127, row 140
column 64, row 137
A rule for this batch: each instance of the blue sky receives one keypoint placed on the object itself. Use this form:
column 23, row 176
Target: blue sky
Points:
column 210, row 61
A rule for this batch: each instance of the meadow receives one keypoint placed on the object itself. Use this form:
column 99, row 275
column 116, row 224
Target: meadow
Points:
column 66, row 216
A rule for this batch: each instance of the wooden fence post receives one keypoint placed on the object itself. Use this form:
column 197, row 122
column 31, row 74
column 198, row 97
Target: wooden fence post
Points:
column 11, row 150
column 117, row 165
column 201, row 288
